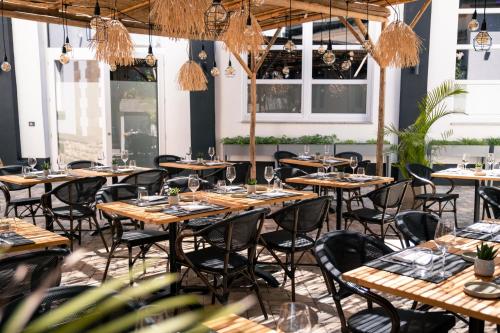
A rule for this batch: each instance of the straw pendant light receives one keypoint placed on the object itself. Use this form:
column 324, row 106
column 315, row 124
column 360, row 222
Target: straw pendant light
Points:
column 398, row 45
column 64, row 57
column 483, row 40
column 329, row 56
column 290, row 45
column 180, row 18
column 150, row 57
column 191, row 76
column 346, row 63
column 6, row 66
column 244, row 33
column 473, row 23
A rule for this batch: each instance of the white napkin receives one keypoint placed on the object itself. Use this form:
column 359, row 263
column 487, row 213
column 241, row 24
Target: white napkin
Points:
column 154, row 198
column 60, row 175
column 273, row 194
column 409, row 256
column 125, row 170
column 361, row 178
column 195, row 207
column 233, row 188
column 214, row 163
column 484, row 227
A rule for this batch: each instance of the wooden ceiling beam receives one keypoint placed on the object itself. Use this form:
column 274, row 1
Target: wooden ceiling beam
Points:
column 132, row 8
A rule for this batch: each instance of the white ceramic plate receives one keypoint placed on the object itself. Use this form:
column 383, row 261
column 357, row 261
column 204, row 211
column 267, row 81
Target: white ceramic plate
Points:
column 481, row 289
column 469, row 256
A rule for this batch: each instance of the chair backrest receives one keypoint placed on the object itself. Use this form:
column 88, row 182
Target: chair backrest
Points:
column 303, row 216
column 416, row 226
column 39, row 268
column 165, row 159
column 182, row 184
column 290, row 172
column 236, row 233
column 491, row 195
column 349, row 154
column 281, row 154
column 340, row 251
column 82, row 164
column 242, row 172
column 389, row 196
column 116, row 192
column 152, row 180
column 79, row 192
column 13, row 170
column 420, row 174
column 56, row 297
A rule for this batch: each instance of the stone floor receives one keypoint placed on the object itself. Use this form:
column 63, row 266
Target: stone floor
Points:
column 310, row 285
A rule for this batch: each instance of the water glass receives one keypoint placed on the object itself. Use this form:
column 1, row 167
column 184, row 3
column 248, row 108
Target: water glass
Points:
column 142, row 193
column 221, row 186
column 444, row 236
column 60, row 163
column 25, row 170
column 360, row 171
column 124, row 156
column 423, row 263
column 231, row 174
column 294, row 317
column 132, row 164
column 269, row 175
column 277, row 185
column 32, row 162
column 321, row 172
column 306, row 150
column 326, row 151
column 92, row 165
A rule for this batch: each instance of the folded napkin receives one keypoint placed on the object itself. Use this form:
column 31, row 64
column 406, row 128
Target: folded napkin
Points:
column 303, row 157
column 409, row 256
column 332, row 161
column 125, row 170
column 214, row 163
column 195, row 207
column 151, row 198
column 61, row 175
column 361, row 178
column 274, row 194
column 482, row 227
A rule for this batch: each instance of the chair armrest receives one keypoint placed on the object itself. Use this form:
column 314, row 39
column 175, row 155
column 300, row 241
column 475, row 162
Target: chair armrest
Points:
column 351, row 199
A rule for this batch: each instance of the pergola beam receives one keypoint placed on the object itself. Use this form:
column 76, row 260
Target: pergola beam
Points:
column 420, row 13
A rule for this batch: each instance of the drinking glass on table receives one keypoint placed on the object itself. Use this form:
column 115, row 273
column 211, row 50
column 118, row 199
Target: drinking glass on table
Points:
column 124, row 156
column 231, row 174
column 306, row 150
column 490, row 161
column 444, row 236
column 360, row 171
column 32, row 163
column 100, row 158
column 294, row 317
column 132, row 164
column 326, row 151
column 193, row 184
column 25, row 170
column 321, row 172
column 189, row 153
column 221, row 186
column 142, row 193
column 211, row 152
column 60, row 162
column 465, row 160
column 353, row 162
column 423, row 263
column 269, row 175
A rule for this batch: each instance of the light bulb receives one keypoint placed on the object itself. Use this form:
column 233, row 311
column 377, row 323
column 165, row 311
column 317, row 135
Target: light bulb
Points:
column 345, row 65
column 203, row 54
column 230, row 71
column 67, row 45
column 473, row 23
column 150, row 58
column 329, row 57
column 112, row 67
column 6, row 66
column 215, row 72
column 249, row 32
column 64, row 58
column 321, row 49
column 286, row 70
column 289, row 46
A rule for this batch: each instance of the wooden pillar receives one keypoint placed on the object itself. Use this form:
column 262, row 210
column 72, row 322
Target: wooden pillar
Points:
column 381, row 119
column 253, row 120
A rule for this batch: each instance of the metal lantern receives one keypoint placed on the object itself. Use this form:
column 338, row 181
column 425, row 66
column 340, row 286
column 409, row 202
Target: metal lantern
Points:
column 216, row 18
column 97, row 30
column 483, row 40
column 329, row 56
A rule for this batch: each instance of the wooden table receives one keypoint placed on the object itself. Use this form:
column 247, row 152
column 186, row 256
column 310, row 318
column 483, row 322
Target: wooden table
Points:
column 447, row 295
column 194, row 166
column 236, row 324
column 41, row 237
column 469, row 175
column 339, row 187
column 314, row 163
column 84, row 173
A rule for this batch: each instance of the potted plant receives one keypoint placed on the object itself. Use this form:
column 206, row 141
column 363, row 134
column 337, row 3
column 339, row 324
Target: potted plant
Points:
column 199, row 158
column 45, row 168
column 478, row 170
column 114, row 165
column 484, row 264
column 173, row 195
column 251, row 186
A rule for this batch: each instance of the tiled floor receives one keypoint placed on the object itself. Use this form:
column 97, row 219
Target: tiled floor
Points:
column 310, row 285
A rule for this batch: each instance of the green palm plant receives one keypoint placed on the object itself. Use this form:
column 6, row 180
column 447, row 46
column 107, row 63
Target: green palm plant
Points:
column 412, row 141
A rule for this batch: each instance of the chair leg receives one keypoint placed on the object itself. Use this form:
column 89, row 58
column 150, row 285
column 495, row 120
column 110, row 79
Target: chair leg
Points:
column 108, row 262
column 130, row 264
column 72, row 235
column 79, row 232
column 98, row 228
column 257, row 292
column 143, row 250
column 292, row 274
column 215, row 288
column 455, row 212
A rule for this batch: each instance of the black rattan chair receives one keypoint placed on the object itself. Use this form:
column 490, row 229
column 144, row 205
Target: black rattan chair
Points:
column 151, row 180
column 78, row 198
column 232, row 253
column 491, row 197
column 421, row 179
column 172, row 172
column 290, row 172
column 182, row 184
column 416, row 226
column 40, row 268
column 29, row 205
column 282, row 154
column 295, row 221
column 386, row 202
column 58, row 296
column 341, row 251
column 346, row 168
column 82, row 164
column 242, row 173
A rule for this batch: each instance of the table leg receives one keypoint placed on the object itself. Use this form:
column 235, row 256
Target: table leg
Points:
column 340, row 195
column 477, row 200
column 172, row 256
column 114, row 180
column 476, row 325
column 49, row 223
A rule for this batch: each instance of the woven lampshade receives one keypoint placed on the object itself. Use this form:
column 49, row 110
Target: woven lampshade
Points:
column 118, row 49
column 180, row 18
column 238, row 39
column 191, row 77
column 398, row 46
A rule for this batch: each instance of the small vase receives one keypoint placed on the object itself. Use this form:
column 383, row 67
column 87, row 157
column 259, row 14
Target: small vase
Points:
column 484, row 267
column 114, row 167
column 45, row 173
column 251, row 189
column 173, row 199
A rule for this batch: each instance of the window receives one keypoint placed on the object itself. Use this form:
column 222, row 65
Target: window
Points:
column 478, row 72
column 301, row 87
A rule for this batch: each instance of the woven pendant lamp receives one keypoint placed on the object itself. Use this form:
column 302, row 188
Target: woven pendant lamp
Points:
column 191, row 76
column 118, row 49
column 244, row 33
column 180, row 18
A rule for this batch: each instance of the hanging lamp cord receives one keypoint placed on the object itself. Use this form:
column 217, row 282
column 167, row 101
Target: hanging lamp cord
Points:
column 290, row 21
column 3, row 35
column 149, row 23
column 346, row 18
column 330, row 26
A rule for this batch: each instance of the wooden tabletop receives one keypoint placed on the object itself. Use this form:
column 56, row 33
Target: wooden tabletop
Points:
column 41, row 237
column 447, row 295
column 236, row 324
column 467, row 175
column 231, row 204
column 82, row 173
column 314, row 163
column 336, row 184
column 194, row 166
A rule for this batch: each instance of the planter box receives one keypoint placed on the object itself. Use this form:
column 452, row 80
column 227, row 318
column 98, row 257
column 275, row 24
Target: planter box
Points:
column 369, row 151
column 241, row 152
column 299, row 148
column 452, row 154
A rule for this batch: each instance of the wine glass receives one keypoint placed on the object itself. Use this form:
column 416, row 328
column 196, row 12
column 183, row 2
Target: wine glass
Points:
column 490, row 160
column 193, row 184
column 294, row 317
column 124, row 156
column 353, row 162
column 32, row 163
column 321, row 172
column 444, row 230
column 269, row 175
column 326, row 151
column 189, row 154
column 60, row 162
column 230, row 174
column 465, row 160
column 306, row 150
column 100, row 158
column 211, row 153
